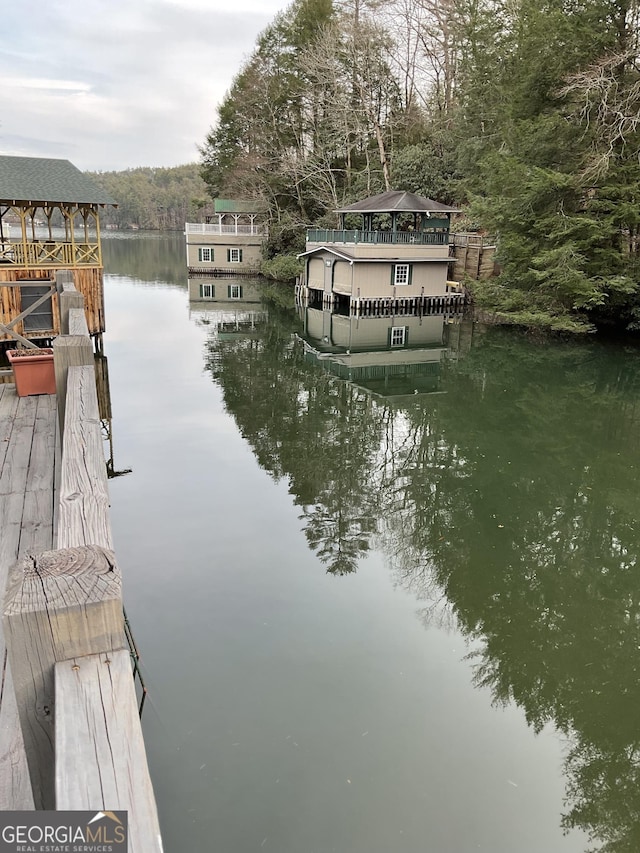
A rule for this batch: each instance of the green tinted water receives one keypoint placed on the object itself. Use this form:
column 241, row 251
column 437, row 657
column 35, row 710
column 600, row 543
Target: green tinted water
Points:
column 373, row 619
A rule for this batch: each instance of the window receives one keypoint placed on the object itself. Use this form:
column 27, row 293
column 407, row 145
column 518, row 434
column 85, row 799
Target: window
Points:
column 207, row 291
column 205, row 255
column 398, row 337
column 235, row 291
column 401, row 274
column 234, row 256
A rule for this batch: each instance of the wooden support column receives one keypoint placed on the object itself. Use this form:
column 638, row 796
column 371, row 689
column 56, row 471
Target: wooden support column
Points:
column 58, row 605
column 100, row 755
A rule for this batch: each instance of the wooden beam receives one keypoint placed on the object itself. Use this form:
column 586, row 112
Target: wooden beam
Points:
column 68, row 351
column 101, row 762
column 58, row 605
column 83, row 509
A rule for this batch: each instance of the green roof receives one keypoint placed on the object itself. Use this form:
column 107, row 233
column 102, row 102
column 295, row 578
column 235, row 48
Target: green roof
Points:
column 233, row 205
column 46, row 180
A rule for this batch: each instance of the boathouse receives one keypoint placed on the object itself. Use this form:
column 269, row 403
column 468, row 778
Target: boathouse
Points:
column 49, row 220
column 230, row 242
column 391, row 252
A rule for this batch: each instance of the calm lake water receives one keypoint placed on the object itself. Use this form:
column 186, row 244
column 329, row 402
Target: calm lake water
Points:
column 397, row 613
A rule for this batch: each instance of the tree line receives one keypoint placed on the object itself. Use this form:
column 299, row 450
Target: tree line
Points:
column 154, row 198
column 523, row 113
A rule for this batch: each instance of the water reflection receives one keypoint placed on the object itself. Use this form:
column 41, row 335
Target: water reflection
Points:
column 514, row 494
column 387, row 355
column 158, row 257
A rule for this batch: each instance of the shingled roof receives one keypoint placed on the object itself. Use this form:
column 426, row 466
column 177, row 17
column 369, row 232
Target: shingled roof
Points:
column 398, row 201
column 44, row 180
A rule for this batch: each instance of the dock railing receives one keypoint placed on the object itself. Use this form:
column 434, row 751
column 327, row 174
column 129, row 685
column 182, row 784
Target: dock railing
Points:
column 64, row 624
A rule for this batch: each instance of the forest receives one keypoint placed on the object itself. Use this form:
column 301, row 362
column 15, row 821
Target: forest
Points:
column 152, row 198
column 524, row 114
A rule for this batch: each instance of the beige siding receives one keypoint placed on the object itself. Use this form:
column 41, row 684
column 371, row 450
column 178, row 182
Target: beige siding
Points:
column 251, row 252
column 391, row 251
column 373, row 281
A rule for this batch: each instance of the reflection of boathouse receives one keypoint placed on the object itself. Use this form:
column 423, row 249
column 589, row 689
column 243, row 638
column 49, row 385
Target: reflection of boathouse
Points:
column 230, row 242
column 49, row 220
column 390, row 356
column 230, row 309
column 216, row 291
column 391, row 253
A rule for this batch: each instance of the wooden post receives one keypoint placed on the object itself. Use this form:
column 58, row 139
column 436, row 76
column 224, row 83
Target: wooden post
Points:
column 68, row 297
column 58, row 605
column 101, row 762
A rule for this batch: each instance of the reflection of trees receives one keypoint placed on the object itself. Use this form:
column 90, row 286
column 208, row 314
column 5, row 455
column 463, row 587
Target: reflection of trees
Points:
column 148, row 258
column 304, row 426
column 523, row 508
column 514, row 495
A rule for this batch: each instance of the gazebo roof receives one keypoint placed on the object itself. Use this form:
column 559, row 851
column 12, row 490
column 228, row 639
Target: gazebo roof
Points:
column 45, row 180
column 398, row 201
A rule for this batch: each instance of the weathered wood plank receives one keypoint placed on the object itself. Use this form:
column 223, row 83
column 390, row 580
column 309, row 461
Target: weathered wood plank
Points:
column 68, row 351
column 37, row 515
column 15, row 784
column 20, row 421
column 8, row 407
column 83, row 515
column 58, row 605
column 78, row 321
column 100, row 755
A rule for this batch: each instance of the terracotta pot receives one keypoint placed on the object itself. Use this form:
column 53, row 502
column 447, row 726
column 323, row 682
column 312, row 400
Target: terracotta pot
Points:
column 33, row 371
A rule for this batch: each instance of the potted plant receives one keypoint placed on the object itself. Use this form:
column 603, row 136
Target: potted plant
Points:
column 33, row 371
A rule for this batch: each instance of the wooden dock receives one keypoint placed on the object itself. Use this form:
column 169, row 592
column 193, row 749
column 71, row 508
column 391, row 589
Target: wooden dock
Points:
column 70, row 734
column 29, row 455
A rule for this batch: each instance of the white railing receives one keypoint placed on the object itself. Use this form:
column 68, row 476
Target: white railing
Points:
column 214, row 228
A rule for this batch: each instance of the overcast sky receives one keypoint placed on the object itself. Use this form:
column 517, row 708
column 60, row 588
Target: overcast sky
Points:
column 114, row 84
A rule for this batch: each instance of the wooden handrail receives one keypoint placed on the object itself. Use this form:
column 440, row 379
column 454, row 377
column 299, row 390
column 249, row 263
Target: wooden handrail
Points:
column 64, row 627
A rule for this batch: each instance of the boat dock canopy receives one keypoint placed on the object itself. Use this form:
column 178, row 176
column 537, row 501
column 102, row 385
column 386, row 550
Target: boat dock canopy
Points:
column 45, row 180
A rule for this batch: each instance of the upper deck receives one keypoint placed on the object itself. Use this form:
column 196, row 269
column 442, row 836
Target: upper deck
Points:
column 34, row 254
column 354, row 236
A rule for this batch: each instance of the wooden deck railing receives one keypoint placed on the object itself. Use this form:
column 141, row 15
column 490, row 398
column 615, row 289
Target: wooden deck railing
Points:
column 50, row 253
column 64, row 625
column 403, row 238
column 215, row 229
